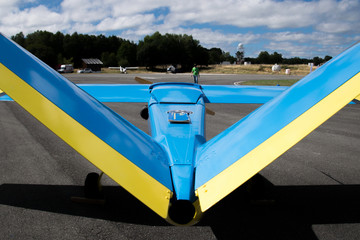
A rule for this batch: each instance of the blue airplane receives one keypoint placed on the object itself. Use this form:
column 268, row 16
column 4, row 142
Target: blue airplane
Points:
column 174, row 170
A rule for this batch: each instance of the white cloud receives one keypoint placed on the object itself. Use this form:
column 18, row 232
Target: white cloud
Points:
column 30, row 20
column 269, row 13
column 248, row 13
column 81, row 27
column 5, row 8
column 39, row 16
column 84, row 10
column 289, row 49
column 120, row 23
column 210, row 38
column 308, row 44
column 294, row 22
column 133, row 7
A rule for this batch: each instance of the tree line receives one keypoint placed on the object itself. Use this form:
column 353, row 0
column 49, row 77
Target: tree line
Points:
column 55, row 49
column 266, row 58
column 154, row 50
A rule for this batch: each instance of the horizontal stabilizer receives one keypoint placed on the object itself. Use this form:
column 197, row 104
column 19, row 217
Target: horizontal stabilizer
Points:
column 356, row 100
column 139, row 93
column 240, row 94
column 118, row 92
column 235, row 155
column 4, row 97
column 125, row 153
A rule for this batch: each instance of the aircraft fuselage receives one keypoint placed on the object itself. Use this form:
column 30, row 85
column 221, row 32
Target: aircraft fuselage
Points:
column 177, row 122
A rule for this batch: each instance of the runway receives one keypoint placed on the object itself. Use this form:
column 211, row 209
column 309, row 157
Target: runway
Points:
column 310, row 192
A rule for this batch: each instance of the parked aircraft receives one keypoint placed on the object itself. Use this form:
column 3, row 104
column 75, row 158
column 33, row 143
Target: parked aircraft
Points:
column 123, row 69
column 175, row 171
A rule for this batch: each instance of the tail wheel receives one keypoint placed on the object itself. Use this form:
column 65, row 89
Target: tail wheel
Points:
column 145, row 113
column 92, row 188
column 182, row 212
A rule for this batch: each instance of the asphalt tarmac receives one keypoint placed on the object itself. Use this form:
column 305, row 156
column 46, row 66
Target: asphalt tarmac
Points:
column 310, row 192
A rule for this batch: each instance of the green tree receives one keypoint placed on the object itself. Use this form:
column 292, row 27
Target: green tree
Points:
column 43, row 45
column 327, row 58
column 215, row 56
column 154, row 50
column 19, row 39
column 227, row 57
column 317, row 61
column 72, row 48
column 109, row 59
column 126, row 54
column 149, row 50
column 43, row 52
column 264, row 57
column 174, row 49
column 276, row 58
column 240, row 56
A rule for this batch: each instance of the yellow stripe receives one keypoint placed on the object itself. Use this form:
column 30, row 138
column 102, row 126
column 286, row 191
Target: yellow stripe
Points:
column 246, row 167
column 132, row 178
column 358, row 98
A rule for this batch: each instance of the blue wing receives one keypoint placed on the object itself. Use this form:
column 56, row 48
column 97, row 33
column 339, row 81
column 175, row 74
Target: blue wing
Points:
column 235, row 155
column 122, row 151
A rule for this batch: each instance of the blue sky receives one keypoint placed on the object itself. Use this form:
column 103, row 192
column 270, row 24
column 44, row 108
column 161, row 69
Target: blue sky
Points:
column 294, row 28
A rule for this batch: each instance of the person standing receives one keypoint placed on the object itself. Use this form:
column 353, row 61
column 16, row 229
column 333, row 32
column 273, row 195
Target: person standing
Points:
column 196, row 74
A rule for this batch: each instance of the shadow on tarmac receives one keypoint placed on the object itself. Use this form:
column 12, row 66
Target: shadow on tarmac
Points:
column 283, row 212
column 253, row 211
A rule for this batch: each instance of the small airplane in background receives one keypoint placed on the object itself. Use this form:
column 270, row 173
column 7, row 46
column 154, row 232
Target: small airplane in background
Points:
column 175, row 171
column 123, row 69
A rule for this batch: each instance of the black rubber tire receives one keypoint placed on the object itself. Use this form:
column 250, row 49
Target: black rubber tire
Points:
column 92, row 187
column 145, row 113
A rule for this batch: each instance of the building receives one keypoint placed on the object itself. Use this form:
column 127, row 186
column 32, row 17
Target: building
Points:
column 93, row 63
